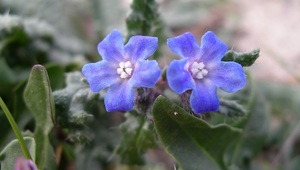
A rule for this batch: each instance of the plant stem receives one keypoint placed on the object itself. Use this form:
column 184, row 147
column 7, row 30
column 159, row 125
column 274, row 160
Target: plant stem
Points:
column 15, row 129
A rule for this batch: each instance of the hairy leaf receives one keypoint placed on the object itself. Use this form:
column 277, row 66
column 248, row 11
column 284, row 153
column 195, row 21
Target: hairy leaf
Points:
column 38, row 98
column 71, row 103
column 245, row 59
column 193, row 143
column 13, row 150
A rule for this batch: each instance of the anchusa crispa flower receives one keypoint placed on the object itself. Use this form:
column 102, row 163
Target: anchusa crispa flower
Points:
column 201, row 70
column 23, row 164
column 122, row 69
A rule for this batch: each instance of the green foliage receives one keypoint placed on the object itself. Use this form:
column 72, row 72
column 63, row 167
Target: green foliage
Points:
column 192, row 142
column 137, row 138
column 272, row 118
column 13, row 150
column 71, row 103
column 25, row 42
column 244, row 59
column 104, row 136
column 38, row 98
column 44, row 151
column 254, row 124
column 82, row 118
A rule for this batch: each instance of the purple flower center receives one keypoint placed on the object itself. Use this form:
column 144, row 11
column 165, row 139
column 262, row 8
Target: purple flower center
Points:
column 198, row 70
column 125, row 69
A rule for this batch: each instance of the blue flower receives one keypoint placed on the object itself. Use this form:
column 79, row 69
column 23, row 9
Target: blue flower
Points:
column 122, row 69
column 201, row 70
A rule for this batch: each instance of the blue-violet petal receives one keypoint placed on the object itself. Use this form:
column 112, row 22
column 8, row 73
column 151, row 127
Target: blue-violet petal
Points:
column 100, row 75
column 184, row 45
column 229, row 76
column 146, row 74
column 179, row 79
column 111, row 48
column 212, row 48
column 140, row 47
column 119, row 97
column 204, row 97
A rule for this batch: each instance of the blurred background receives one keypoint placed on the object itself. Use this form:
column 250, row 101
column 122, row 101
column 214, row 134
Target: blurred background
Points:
column 63, row 35
column 271, row 26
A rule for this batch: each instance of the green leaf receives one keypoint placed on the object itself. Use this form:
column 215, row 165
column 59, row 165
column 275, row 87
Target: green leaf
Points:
column 192, row 142
column 137, row 138
column 63, row 97
column 245, row 59
column 13, row 150
column 45, row 157
column 77, row 113
column 38, row 98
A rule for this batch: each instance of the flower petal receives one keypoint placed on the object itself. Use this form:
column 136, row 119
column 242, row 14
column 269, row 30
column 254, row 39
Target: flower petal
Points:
column 23, row 164
column 140, row 47
column 184, row 45
column 100, row 75
column 119, row 97
column 111, row 48
column 179, row 79
column 204, row 97
column 229, row 76
column 146, row 74
column 212, row 48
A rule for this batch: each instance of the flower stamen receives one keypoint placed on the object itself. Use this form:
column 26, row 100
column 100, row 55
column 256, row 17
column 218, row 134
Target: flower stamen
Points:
column 198, row 70
column 125, row 69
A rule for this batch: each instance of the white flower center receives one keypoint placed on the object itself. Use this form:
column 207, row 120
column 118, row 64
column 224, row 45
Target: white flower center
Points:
column 198, row 70
column 125, row 69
